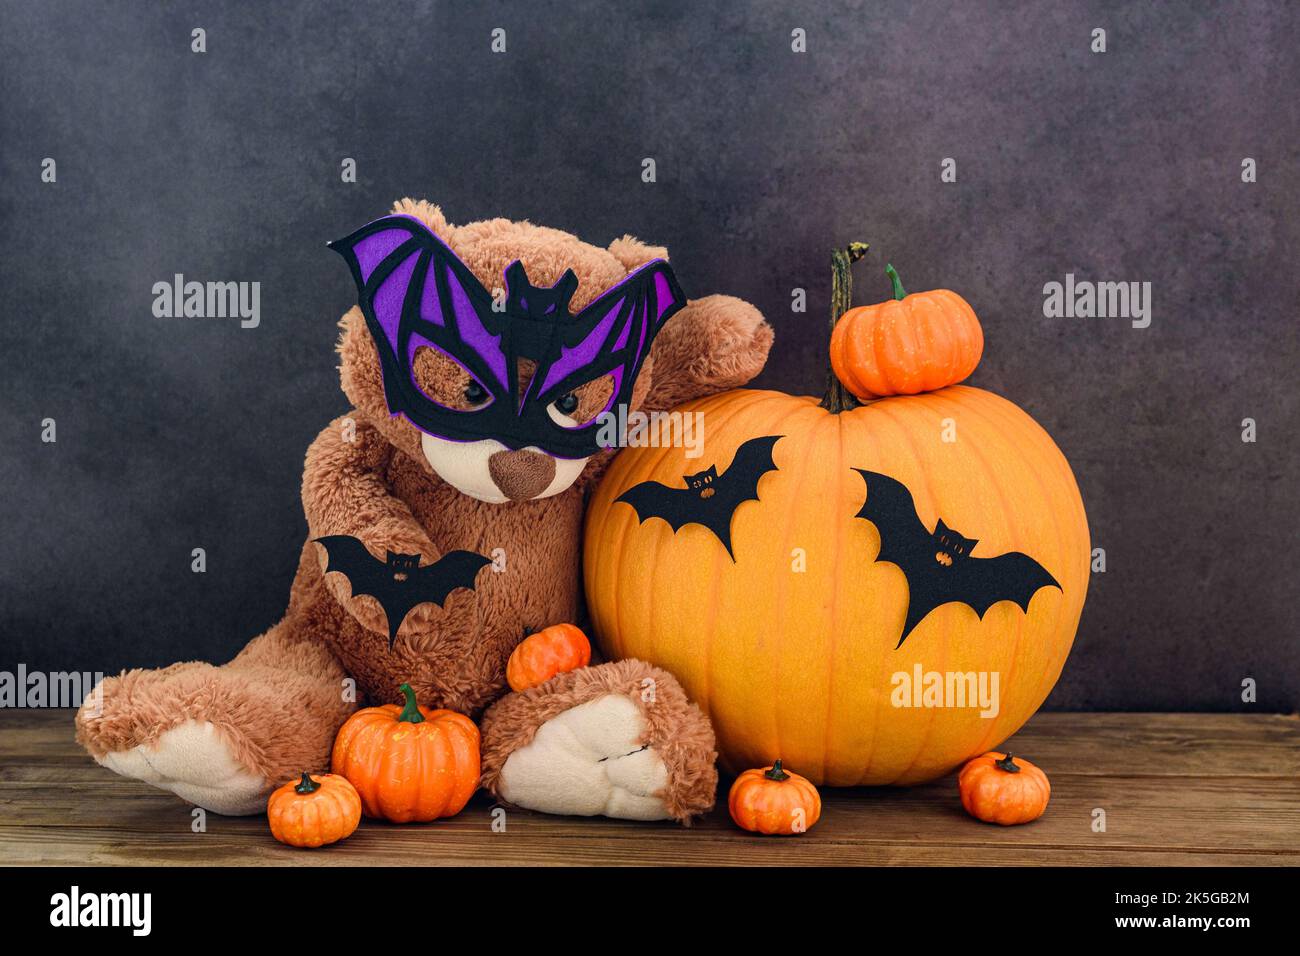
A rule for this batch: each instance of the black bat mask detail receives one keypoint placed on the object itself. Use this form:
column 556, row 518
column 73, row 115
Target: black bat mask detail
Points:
column 709, row 499
column 938, row 564
column 400, row 584
column 415, row 293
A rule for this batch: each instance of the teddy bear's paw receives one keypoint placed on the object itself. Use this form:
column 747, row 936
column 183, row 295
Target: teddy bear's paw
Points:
column 195, row 762
column 220, row 737
column 157, row 726
column 588, row 761
column 619, row 739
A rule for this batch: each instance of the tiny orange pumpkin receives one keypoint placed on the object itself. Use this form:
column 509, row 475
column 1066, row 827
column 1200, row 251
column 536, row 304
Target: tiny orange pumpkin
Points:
column 773, row 800
column 409, row 764
column 1003, row 790
column 906, row 345
column 314, row 811
column 539, row 657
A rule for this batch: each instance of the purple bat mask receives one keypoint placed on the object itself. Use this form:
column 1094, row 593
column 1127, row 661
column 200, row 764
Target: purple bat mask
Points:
column 415, row 292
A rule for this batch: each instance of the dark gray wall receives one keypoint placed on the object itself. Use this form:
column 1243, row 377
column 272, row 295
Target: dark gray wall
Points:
column 1119, row 166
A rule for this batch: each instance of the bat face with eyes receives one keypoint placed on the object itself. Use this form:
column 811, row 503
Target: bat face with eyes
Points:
column 951, row 545
column 401, row 565
column 702, row 481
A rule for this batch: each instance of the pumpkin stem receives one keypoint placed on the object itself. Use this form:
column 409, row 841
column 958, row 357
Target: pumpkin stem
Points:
column 899, row 292
column 411, row 712
column 1007, row 764
column 776, row 773
column 306, row 785
column 838, row 398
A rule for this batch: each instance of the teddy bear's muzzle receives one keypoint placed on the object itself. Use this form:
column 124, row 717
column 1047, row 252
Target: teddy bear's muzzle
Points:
column 521, row 475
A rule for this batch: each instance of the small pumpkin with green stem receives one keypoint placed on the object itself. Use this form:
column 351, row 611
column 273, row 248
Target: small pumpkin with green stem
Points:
column 773, row 800
column 410, row 764
column 1005, row 790
column 317, row 810
column 906, row 345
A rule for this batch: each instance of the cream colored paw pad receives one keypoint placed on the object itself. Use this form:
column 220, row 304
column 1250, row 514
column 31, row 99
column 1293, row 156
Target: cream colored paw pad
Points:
column 588, row 761
column 194, row 762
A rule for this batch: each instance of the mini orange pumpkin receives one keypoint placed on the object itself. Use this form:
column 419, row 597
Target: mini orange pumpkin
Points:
column 314, row 811
column 906, row 345
column 774, row 801
column 539, row 657
column 1001, row 790
column 409, row 764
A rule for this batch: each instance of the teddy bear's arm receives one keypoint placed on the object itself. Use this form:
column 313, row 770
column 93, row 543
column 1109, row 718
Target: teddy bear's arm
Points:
column 716, row 343
column 344, row 491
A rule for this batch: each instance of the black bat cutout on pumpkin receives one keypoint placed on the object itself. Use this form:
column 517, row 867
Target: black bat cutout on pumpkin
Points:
column 399, row 584
column 938, row 564
column 709, row 499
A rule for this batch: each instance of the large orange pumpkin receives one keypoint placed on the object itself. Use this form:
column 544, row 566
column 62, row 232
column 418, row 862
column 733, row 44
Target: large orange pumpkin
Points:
column 796, row 647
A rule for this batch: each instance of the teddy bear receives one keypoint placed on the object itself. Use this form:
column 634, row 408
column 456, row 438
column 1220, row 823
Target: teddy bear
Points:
column 470, row 429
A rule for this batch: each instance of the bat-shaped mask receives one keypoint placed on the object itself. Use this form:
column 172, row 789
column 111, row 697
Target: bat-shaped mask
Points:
column 415, row 292
column 938, row 564
column 709, row 499
column 398, row 583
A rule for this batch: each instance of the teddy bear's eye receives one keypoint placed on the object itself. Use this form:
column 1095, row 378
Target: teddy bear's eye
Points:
column 567, row 404
column 475, row 393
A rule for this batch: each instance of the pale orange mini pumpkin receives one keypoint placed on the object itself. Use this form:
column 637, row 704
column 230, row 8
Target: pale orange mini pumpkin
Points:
column 1002, row 790
column 557, row 649
column 409, row 764
column 314, row 811
column 906, row 345
column 774, row 801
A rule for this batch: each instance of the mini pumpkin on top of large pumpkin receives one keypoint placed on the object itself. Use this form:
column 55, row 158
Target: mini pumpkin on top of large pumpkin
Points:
column 855, row 620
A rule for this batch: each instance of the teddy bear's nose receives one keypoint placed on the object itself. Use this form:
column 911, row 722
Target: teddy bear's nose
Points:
column 521, row 474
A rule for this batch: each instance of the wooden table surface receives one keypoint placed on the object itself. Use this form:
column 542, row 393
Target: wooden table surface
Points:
column 1184, row 789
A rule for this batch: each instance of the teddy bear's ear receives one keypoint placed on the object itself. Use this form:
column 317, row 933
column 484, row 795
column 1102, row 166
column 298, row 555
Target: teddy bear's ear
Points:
column 633, row 253
column 427, row 213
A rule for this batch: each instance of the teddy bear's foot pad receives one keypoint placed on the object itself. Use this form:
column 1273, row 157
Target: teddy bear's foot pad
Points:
column 195, row 762
column 589, row 760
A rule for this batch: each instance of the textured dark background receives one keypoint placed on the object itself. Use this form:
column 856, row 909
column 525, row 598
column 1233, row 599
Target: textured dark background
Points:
column 174, row 434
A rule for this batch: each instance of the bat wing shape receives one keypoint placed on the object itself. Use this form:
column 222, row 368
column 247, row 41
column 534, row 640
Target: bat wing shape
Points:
column 429, row 584
column 683, row 506
column 979, row 583
column 904, row 540
column 1008, row 577
column 347, row 555
column 654, row 499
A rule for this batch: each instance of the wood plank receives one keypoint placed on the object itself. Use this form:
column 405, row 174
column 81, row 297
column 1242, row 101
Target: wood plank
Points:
column 1176, row 789
column 1213, row 814
column 1214, row 745
column 378, row 845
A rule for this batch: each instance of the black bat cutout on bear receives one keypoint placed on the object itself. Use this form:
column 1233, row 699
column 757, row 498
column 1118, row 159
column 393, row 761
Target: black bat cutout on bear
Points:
column 709, row 499
column 938, row 564
column 399, row 584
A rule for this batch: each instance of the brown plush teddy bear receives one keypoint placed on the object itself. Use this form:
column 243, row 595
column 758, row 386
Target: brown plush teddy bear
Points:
column 618, row 739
